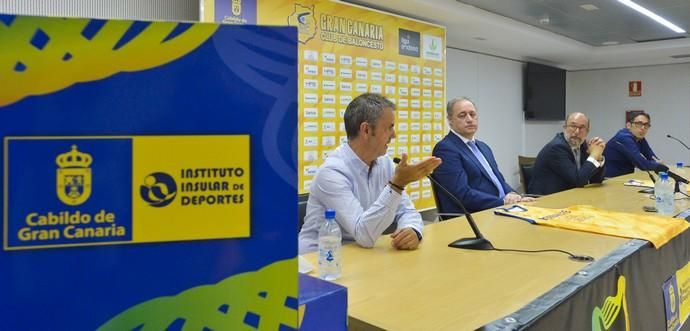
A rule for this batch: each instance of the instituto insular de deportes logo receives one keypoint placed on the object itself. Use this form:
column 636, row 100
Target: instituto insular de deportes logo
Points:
column 159, row 189
column 73, row 182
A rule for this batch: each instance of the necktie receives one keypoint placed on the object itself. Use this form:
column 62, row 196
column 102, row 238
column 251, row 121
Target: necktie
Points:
column 576, row 153
column 487, row 167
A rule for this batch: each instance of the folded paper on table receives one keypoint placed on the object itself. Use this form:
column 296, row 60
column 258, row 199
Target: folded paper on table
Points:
column 639, row 183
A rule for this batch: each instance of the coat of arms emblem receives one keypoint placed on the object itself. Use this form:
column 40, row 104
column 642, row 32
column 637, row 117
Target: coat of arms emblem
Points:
column 237, row 7
column 73, row 182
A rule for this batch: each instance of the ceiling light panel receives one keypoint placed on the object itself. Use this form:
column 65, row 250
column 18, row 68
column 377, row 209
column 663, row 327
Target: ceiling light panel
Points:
column 652, row 15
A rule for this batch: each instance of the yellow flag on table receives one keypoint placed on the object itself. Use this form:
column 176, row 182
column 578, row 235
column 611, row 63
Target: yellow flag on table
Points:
column 656, row 229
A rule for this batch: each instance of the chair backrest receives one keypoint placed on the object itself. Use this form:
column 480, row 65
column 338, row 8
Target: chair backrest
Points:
column 301, row 209
column 526, row 163
column 439, row 209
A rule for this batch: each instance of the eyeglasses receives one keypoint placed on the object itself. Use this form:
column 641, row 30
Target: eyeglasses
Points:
column 642, row 125
column 574, row 127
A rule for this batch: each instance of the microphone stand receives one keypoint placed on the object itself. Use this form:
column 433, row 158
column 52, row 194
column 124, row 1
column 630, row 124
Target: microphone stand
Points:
column 481, row 243
column 678, row 140
column 677, row 179
column 476, row 243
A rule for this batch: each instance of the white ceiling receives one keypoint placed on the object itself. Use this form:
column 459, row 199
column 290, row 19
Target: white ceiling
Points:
column 505, row 37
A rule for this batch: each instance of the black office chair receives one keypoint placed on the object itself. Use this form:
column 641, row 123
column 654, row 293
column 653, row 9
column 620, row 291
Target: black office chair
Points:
column 526, row 165
column 301, row 209
column 439, row 209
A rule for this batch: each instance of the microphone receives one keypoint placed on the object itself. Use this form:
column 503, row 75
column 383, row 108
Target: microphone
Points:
column 481, row 243
column 478, row 242
column 677, row 177
column 678, row 140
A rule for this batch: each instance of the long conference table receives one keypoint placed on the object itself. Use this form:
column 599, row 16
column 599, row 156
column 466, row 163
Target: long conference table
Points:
column 440, row 288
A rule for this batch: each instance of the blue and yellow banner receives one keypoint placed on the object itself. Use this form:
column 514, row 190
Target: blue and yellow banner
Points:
column 676, row 292
column 149, row 176
column 125, row 190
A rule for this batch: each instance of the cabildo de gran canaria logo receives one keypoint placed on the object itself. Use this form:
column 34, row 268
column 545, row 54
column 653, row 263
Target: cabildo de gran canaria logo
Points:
column 672, row 298
column 125, row 189
column 159, row 189
column 237, row 7
column 73, row 177
column 608, row 313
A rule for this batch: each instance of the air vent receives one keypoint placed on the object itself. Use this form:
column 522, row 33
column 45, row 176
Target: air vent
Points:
column 680, row 56
column 658, row 39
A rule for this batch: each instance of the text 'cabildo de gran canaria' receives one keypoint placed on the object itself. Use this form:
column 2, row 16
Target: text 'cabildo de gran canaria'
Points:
column 70, row 225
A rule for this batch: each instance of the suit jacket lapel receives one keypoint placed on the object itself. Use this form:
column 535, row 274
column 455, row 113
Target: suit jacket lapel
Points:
column 467, row 153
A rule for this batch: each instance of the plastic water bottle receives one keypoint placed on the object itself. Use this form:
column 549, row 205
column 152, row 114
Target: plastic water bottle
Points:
column 680, row 171
column 663, row 192
column 330, row 242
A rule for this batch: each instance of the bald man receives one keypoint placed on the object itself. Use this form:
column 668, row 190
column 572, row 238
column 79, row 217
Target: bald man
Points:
column 568, row 160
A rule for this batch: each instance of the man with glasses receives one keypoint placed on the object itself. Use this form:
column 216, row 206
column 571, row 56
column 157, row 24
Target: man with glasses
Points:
column 569, row 160
column 629, row 149
column 469, row 170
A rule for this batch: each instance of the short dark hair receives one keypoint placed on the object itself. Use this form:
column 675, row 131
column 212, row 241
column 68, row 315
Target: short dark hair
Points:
column 452, row 102
column 367, row 107
column 632, row 118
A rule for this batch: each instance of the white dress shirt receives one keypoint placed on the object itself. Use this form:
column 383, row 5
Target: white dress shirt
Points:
column 364, row 204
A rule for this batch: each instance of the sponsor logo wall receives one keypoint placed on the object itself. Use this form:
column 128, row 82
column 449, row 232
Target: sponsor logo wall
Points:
column 346, row 50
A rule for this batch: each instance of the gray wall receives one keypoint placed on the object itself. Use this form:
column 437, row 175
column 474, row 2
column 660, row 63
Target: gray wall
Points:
column 537, row 134
column 496, row 86
column 603, row 95
column 177, row 10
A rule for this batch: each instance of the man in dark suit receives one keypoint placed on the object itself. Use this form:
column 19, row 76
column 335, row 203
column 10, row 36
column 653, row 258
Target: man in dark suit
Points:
column 568, row 160
column 469, row 169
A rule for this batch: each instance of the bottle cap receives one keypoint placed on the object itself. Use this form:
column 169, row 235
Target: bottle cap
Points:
column 679, row 164
column 663, row 175
column 330, row 213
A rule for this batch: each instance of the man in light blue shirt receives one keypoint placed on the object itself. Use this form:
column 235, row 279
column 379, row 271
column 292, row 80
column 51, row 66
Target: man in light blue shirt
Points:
column 362, row 184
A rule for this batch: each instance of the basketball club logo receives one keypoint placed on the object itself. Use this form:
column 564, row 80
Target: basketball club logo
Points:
column 303, row 19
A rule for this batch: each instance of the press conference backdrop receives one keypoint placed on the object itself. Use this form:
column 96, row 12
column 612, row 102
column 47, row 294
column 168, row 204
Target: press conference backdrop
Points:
column 346, row 50
column 127, row 203
column 175, row 10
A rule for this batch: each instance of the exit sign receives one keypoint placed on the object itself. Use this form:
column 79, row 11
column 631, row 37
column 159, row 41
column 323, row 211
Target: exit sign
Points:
column 635, row 88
